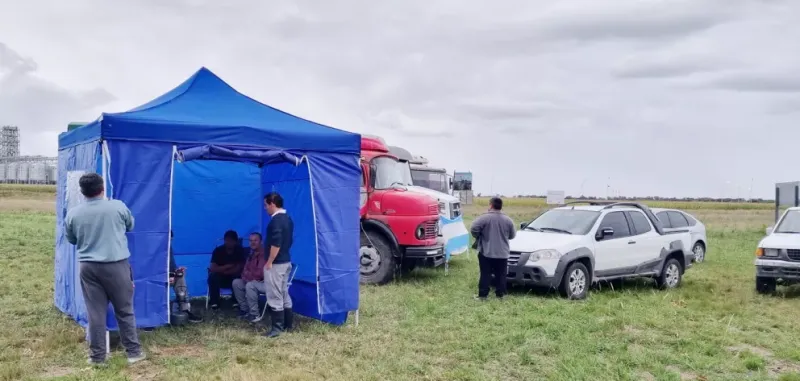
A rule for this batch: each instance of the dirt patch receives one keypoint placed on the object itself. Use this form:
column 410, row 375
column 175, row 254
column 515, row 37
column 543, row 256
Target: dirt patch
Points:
column 646, row 376
column 754, row 350
column 775, row 367
column 144, row 372
column 180, row 351
column 635, row 348
column 57, row 371
column 16, row 204
column 632, row 330
column 685, row 376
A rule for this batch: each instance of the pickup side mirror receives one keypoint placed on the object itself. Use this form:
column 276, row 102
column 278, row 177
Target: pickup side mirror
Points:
column 604, row 232
column 769, row 229
column 523, row 225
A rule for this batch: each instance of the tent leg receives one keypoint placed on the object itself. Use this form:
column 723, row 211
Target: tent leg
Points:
column 356, row 318
column 446, row 267
column 108, row 342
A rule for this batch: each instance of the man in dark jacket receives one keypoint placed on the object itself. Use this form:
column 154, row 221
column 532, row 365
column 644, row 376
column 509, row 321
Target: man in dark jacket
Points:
column 492, row 231
column 227, row 262
column 280, row 233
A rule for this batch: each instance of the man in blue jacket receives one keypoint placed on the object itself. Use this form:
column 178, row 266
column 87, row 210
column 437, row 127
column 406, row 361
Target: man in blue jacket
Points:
column 280, row 232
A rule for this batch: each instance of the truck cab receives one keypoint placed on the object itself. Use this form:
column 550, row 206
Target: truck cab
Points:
column 399, row 227
column 435, row 183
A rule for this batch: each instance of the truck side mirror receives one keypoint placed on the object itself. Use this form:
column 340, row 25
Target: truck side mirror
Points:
column 769, row 229
column 604, row 232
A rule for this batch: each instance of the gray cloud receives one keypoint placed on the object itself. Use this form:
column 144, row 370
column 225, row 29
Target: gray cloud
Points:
column 547, row 85
column 37, row 105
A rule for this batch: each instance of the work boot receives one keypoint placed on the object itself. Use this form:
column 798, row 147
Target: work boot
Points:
column 277, row 323
column 288, row 319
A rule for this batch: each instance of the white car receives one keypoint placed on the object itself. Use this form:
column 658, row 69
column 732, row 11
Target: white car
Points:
column 673, row 219
column 570, row 247
column 778, row 254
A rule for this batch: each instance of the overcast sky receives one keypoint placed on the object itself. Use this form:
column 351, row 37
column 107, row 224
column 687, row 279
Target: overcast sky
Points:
column 672, row 98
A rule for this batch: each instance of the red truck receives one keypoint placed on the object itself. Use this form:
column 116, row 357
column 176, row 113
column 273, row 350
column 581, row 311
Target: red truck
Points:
column 398, row 228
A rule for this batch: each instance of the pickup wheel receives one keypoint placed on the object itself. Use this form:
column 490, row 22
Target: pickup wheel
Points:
column 671, row 274
column 575, row 282
column 765, row 285
column 377, row 259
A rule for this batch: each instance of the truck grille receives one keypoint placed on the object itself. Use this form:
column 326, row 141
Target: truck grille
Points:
column 794, row 254
column 434, row 209
column 431, row 229
column 513, row 258
column 455, row 210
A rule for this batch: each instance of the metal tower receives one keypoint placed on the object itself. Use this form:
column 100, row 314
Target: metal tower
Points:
column 9, row 141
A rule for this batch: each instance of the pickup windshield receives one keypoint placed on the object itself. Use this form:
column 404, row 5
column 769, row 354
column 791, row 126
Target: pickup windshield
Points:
column 565, row 221
column 390, row 172
column 790, row 223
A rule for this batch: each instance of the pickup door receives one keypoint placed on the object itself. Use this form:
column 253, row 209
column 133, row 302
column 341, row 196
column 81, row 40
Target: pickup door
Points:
column 648, row 241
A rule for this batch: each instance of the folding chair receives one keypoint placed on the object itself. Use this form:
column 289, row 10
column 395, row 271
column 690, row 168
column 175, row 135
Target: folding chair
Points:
column 224, row 293
column 289, row 284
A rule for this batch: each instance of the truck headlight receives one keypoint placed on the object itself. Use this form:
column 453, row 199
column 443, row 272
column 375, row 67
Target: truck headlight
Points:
column 772, row 253
column 543, row 254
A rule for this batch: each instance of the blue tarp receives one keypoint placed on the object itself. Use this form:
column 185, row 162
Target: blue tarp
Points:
column 231, row 150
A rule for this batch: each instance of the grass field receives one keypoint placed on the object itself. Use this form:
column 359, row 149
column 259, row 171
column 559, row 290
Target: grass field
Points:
column 427, row 327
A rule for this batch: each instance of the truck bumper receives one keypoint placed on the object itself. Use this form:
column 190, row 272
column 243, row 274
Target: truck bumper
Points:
column 431, row 256
column 771, row 268
column 531, row 276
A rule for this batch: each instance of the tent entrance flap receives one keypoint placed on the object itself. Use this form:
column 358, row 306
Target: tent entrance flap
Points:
column 247, row 154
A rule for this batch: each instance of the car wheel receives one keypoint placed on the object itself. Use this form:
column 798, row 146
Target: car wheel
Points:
column 671, row 274
column 699, row 251
column 575, row 282
column 765, row 285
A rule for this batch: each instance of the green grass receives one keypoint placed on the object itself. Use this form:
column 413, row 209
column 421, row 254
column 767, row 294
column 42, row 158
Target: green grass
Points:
column 427, row 327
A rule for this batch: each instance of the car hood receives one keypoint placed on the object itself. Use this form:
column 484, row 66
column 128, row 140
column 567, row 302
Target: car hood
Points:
column 528, row 241
column 439, row 196
column 781, row 241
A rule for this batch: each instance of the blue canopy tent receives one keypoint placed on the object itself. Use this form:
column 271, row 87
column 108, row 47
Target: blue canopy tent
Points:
column 198, row 161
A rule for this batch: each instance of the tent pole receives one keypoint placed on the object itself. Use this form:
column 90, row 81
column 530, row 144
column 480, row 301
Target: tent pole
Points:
column 108, row 342
column 356, row 318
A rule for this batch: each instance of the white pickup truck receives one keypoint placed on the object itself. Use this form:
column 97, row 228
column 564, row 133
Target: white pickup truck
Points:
column 778, row 254
column 570, row 247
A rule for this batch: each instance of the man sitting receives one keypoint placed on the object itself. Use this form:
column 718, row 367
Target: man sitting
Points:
column 177, row 278
column 227, row 262
column 247, row 288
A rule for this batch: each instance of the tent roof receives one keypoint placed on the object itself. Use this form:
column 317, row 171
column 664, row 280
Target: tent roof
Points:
column 205, row 109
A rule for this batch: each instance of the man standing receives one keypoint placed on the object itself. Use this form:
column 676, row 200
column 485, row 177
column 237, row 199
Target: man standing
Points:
column 97, row 229
column 492, row 231
column 278, row 267
column 247, row 288
column 227, row 262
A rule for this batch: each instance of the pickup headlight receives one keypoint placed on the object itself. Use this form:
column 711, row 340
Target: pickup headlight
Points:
column 543, row 254
column 772, row 253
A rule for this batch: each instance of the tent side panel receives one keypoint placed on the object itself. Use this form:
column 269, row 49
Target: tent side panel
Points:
column 335, row 181
column 292, row 183
column 209, row 198
column 72, row 162
column 140, row 174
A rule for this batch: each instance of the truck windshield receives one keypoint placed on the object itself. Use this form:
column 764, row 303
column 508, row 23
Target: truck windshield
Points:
column 790, row 223
column 431, row 180
column 389, row 172
column 565, row 220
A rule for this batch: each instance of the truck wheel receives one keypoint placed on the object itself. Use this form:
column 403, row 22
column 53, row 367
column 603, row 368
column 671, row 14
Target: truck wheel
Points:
column 699, row 252
column 765, row 285
column 575, row 282
column 671, row 274
column 376, row 258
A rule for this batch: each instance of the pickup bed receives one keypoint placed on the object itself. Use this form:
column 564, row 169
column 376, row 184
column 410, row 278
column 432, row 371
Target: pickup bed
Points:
column 570, row 247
